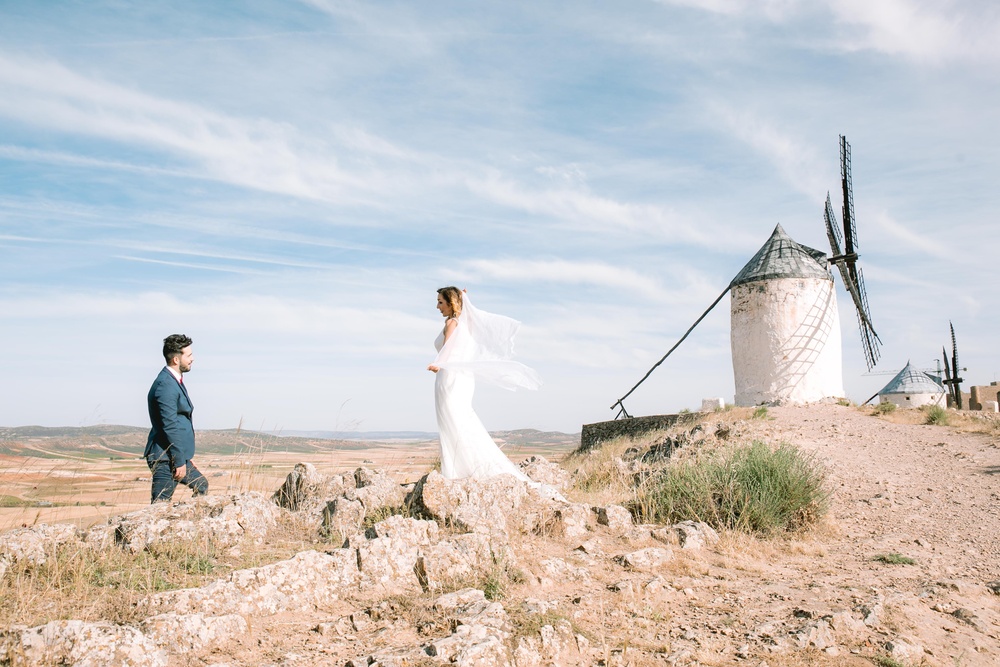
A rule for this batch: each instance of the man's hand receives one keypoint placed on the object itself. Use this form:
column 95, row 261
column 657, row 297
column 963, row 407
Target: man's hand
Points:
column 179, row 472
column 433, row 369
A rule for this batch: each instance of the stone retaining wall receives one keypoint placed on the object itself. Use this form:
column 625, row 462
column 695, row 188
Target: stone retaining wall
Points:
column 593, row 435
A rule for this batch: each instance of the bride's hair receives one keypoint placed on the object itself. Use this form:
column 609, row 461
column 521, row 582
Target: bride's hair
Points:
column 453, row 297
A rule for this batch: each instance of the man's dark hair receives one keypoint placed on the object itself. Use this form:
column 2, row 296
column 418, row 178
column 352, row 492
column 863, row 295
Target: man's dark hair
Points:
column 174, row 344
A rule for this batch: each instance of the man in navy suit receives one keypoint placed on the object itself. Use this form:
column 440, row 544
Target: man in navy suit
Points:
column 170, row 446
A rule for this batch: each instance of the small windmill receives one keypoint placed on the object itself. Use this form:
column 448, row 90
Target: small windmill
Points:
column 951, row 378
column 785, row 326
column 847, row 260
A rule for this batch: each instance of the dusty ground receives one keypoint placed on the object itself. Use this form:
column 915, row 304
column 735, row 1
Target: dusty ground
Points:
column 928, row 493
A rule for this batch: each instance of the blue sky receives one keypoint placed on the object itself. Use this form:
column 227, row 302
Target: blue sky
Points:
column 289, row 182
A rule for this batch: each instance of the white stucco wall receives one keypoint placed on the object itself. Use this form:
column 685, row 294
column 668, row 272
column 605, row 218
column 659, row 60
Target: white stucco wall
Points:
column 786, row 341
column 914, row 400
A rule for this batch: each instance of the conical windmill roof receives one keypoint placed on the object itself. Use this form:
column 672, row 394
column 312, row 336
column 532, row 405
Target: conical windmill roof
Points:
column 912, row 381
column 781, row 257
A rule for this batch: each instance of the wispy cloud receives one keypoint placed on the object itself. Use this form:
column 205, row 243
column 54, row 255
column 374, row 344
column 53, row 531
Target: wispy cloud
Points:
column 68, row 159
column 910, row 237
column 554, row 270
column 577, row 208
column 253, row 153
column 773, row 9
column 796, row 161
column 920, row 29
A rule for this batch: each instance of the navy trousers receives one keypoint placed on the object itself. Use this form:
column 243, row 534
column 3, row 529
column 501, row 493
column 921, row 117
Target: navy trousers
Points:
column 164, row 482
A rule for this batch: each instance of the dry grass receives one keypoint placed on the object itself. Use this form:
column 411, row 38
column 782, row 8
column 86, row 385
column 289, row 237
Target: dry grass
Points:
column 78, row 582
column 963, row 421
column 597, row 477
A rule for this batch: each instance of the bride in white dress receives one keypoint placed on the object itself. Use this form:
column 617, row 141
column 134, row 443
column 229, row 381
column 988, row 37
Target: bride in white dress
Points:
column 473, row 344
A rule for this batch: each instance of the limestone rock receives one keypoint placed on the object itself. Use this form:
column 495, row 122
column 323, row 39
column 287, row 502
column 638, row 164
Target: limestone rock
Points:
column 555, row 645
column 307, row 490
column 225, row 520
column 845, row 625
column 187, row 632
column 80, row 644
column 30, row 544
column 375, row 490
column 401, row 554
column 412, row 531
column 459, row 599
column 817, row 635
column 492, row 506
column 695, row 535
column 615, row 517
column 460, row 558
column 649, row 559
column 904, row 650
column 667, row 536
column 342, row 516
column 307, row 580
column 539, row 469
column 572, row 520
column 481, row 628
column 389, row 565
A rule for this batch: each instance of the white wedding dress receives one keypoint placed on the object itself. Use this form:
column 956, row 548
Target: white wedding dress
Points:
column 480, row 347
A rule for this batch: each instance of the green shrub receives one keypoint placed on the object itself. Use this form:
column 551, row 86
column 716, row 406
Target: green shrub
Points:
column 894, row 559
column 845, row 402
column 887, row 661
column 884, row 408
column 753, row 489
column 760, row 412
column 936, row 415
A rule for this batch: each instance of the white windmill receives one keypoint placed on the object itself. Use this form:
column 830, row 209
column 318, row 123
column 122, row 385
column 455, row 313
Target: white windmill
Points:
column 786, row 339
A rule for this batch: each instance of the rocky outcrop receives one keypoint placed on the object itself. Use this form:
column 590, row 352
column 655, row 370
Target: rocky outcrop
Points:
column 224, row 520
column 307, row 490
column 491, row 506
column 695, row 535
column 481, row 637
column 308, row 579
column 340, row 502
column 190, row 632
column 555, row 644
column 33, row 544
column 541, row 470
column 80, row 644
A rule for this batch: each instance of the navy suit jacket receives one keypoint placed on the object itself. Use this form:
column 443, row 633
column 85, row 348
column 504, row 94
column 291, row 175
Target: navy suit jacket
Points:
column 172, row 435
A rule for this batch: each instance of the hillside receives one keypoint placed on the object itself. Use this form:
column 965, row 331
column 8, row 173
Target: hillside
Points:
column 903, row 571
column 128, row 441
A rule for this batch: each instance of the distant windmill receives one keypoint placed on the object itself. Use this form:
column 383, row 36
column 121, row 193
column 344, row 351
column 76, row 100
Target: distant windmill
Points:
column 785, row 324
column 951, row 378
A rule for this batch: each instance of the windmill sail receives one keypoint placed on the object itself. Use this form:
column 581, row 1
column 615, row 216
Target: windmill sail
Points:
column 843, row 247
column 955, row 381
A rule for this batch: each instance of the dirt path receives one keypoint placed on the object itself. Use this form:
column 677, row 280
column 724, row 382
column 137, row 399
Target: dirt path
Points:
column 929, row 493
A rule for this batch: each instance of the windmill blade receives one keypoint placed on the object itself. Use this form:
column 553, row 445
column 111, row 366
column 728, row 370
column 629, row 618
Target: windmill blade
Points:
column 954, row 367
column 832, row 229
column 845, row 256
column 850, row 233
column 954, row 349
column 870, row 340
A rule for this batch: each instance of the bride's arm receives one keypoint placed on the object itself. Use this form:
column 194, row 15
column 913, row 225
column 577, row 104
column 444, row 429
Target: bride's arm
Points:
column 449, row 329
